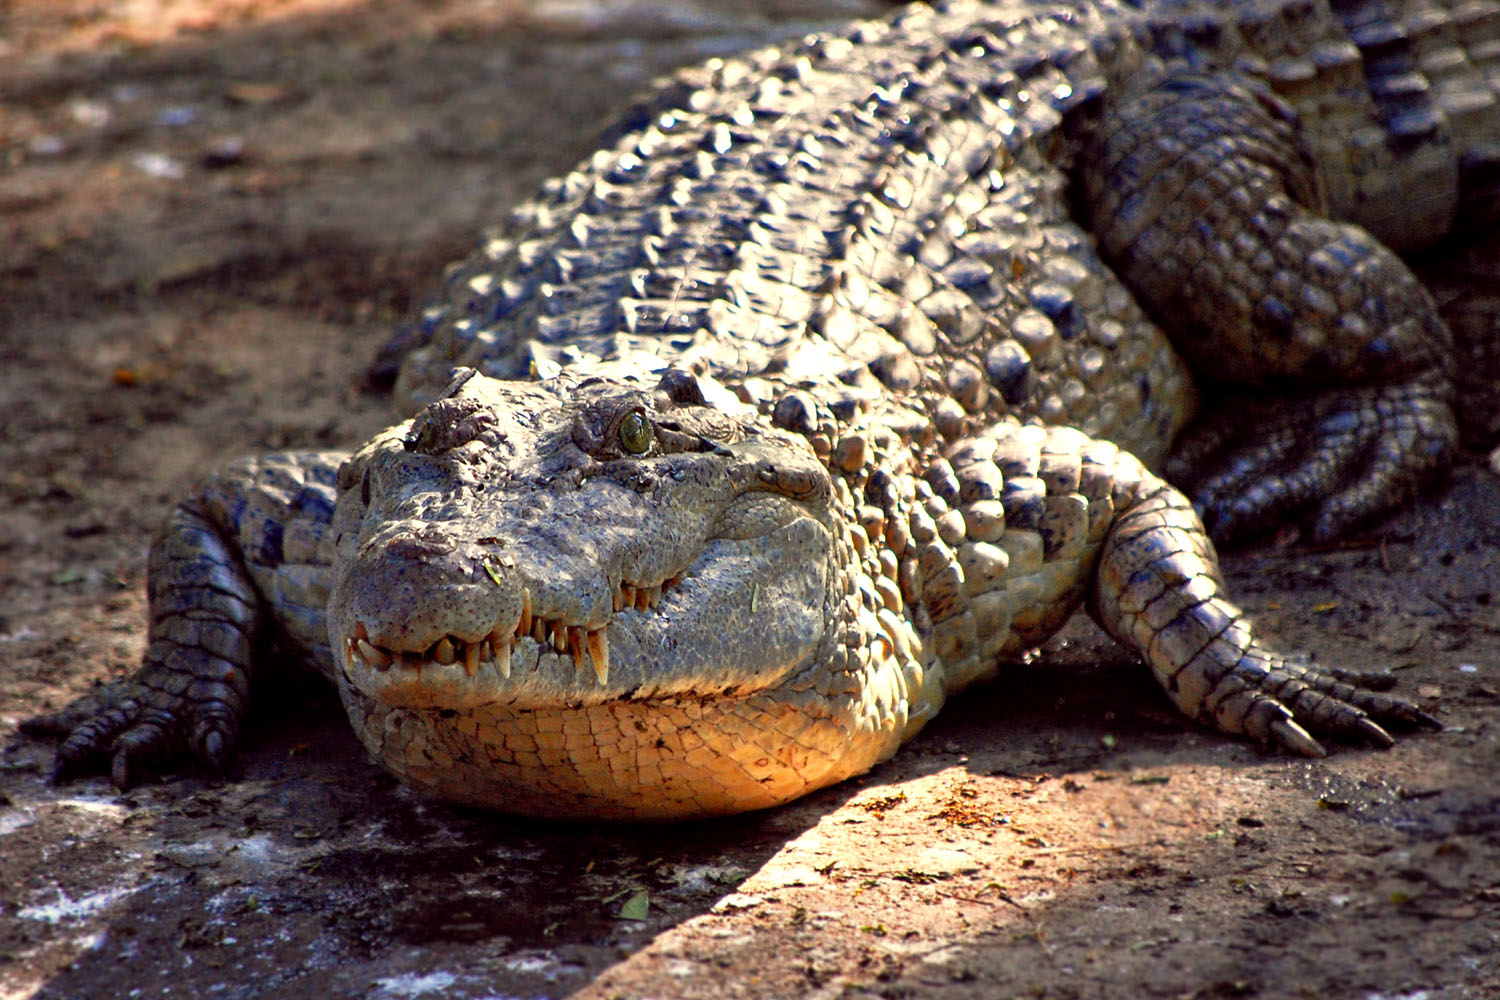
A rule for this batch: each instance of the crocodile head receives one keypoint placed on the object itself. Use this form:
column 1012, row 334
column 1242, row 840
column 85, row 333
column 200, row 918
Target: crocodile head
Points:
column 586, row 596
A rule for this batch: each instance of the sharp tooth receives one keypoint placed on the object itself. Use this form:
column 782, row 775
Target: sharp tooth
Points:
column 575, row 643
column 619, row 597
column 655, row 595
column 373, row 656
column 642, row 598
column 559, row 636
column 627, row 595
column 599, row 653
column 444, row 652
column 471, row 657
column 502, row 657
column 539, row 630
column 524, row 625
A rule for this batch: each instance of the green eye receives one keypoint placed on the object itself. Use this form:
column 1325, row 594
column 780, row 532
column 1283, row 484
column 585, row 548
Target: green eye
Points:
column 422, row 436
column 635, row 433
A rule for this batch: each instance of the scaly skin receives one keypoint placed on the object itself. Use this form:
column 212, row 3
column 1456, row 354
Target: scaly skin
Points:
column 840, row 409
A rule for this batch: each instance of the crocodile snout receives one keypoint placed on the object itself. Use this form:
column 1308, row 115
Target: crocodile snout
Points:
column 414, row 588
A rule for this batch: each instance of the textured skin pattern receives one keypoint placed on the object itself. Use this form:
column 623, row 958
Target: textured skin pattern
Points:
column 840, row 408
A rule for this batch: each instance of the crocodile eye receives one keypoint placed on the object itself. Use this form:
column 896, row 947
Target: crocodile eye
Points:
column 422, row 436
column 635, row 433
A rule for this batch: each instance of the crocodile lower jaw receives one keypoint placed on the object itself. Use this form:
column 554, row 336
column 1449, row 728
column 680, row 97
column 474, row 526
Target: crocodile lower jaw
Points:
column 653, row 759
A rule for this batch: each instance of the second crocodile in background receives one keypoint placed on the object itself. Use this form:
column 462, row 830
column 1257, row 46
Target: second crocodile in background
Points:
column 833, row 382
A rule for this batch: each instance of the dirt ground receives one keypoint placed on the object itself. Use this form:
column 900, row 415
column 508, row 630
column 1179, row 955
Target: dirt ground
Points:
column 214, row 212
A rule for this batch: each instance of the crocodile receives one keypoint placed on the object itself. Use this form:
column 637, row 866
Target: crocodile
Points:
column 837, row 379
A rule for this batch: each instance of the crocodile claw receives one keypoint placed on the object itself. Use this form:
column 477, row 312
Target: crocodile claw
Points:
column 214, row 750
column 1375, row 733
column 1286, row 733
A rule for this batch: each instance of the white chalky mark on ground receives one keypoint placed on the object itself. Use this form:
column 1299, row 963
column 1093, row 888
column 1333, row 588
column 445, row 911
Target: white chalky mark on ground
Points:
column 67, row 908
column 411, row 984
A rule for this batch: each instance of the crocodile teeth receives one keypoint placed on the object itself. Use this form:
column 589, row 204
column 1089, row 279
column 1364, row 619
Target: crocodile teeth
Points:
column 640, row 596
column 524, row 625
column 598, row 647
column 574, row 640
column 373, row 656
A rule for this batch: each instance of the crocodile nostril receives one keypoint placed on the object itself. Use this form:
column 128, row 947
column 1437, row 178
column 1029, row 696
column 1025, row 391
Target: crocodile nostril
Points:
column 448, row 424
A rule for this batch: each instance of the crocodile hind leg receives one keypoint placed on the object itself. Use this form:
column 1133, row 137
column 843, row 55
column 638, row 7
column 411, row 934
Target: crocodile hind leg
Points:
column 244, row 552
column 1204, row 203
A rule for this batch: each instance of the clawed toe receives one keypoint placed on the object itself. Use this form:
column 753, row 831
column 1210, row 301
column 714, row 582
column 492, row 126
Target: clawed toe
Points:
column 1289, row 735
column 1293, row 737
column 1413, row 715
column 1330, row 706
column 214, row 749
column 1372, row 731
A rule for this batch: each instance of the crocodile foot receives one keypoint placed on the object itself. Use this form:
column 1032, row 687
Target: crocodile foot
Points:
column 1158, row 591
column 194, row 684
column 1327, row 703
column 122, row 723
column 1325, row 465
column 1283, row 703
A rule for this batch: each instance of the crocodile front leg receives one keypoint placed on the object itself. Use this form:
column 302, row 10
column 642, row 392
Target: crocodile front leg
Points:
column 1204, row 203
column 1018, row 525
column 240, row 561
column 1159, row 591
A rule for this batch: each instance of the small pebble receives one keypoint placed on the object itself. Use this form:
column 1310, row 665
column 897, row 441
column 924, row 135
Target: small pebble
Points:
column 224, row 152
column 177, row 117
column 159, row 165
